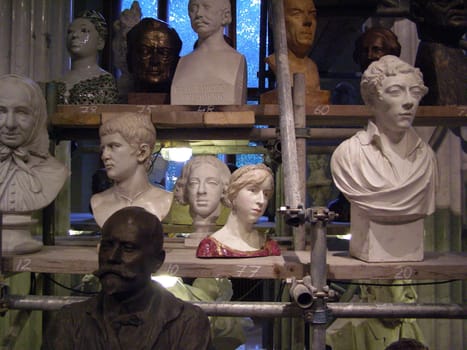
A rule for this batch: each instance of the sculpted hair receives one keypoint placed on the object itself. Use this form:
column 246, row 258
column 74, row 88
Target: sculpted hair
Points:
column 133, row 37
column 407, row 344
column 244, row 176
column 98, row 20
column 386, row 66
column 135, row 128
column 390, row 42
column 146, row 222
column 38, row 142
column 180, row 192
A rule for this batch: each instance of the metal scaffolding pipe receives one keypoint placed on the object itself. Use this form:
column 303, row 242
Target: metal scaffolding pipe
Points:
column 268, row 309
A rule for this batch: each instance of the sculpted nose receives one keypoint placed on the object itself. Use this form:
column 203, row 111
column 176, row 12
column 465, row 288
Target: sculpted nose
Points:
column 115, row 255
column 10, row 120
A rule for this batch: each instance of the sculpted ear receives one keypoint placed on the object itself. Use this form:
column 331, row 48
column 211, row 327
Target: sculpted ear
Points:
column 144, row 152
column 226, row 17
column 100, row 43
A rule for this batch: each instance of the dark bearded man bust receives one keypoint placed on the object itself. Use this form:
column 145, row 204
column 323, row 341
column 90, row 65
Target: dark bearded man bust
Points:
column 131, row 311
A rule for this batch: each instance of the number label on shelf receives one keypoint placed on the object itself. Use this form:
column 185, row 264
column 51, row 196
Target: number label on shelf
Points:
column 404, row 273
column 23, row 265
column 247, row 271
column 88, row 109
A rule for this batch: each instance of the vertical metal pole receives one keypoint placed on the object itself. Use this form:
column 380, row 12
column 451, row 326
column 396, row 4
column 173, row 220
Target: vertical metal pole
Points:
column 299, row 108
column 318, row 280
column 287, row 128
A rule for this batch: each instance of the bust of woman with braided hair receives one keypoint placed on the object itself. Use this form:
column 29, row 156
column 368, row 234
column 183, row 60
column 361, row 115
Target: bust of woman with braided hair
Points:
column 248, row 194
column 30, row 178
column 86, row 82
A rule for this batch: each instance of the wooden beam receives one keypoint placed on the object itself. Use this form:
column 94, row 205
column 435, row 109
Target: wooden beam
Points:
column 183, row 263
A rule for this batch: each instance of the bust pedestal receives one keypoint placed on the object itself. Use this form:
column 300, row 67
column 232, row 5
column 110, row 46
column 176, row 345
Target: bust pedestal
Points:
column 385, row 242
column 16, row 234
column 210, row 78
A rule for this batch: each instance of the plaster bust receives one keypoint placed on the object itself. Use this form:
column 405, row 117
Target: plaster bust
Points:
column 153, row 54
column 202, row 186
column 248, row 193
column 300, row 26
column 30, row 178
column 214, row 73
column 86, row 82
column 126, row 144
column 373, row 44
column 386, row 171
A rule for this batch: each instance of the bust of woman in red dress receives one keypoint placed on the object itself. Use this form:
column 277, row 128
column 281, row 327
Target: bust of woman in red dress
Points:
column 248, row 193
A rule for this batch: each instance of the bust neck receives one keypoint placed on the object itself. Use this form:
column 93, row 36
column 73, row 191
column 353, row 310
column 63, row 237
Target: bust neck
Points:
column 213, row 42
column 243, row 231
column 132, row 188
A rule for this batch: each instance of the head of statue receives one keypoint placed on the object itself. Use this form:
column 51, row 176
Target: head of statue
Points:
column 153, row 51
column 440, row 13
column 249, row 191
column 86, row 34
column 373, row 44
column 129, row 251
column 23, row 115
column 392, row 89
column 406, row 344
column 203, row 184
column 209, row 16
column 126, row 142
column 300, row 25
column 390, row 291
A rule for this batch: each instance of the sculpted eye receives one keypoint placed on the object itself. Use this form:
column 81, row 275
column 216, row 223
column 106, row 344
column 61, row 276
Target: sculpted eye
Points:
column 417, row 92
column 394, row 91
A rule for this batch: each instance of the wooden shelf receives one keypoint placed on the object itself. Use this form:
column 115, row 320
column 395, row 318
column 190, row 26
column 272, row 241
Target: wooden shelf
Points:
column 183, row 263
column 186, row 122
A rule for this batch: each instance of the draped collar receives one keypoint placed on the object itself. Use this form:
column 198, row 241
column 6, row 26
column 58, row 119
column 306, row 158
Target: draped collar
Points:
column 12, row 158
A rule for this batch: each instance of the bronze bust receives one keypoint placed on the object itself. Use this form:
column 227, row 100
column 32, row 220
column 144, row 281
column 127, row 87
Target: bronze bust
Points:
column 153, row 49
column 373, row 44
column 131, row 311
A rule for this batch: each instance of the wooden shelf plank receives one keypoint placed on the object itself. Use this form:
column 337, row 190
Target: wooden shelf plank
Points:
column 322, row 115
column 182, row 262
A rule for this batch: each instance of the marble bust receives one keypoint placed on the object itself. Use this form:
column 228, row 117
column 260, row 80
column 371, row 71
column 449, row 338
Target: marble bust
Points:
column 248, row 193
column 214, row 73
column 30, row 178
column 126, row 144
column 153, row 49
column 202, row 186
column 300, row 25
column 387, row 172
column 86, row 82
column 374, row 43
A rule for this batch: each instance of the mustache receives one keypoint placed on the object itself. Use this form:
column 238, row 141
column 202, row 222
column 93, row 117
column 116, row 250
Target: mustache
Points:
column 104, row 270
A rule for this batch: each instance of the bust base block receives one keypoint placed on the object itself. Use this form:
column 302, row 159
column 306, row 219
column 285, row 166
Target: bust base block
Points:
column 16, row 234
column 385, row 242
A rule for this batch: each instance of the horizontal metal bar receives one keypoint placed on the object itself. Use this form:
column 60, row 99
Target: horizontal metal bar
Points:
column 270, row 309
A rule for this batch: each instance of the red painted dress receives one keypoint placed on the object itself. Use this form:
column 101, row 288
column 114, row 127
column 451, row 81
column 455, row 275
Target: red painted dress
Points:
column 212, row 248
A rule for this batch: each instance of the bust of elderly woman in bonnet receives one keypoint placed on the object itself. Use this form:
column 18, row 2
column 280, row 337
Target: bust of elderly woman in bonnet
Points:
column 30, row 178
column 249, row 191
column 86, row 82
